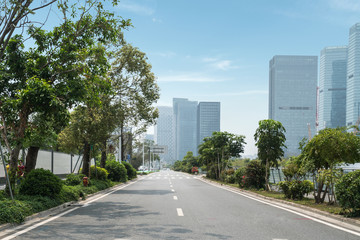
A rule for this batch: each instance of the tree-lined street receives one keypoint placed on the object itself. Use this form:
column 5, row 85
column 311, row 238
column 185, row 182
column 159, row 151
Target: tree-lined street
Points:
column 172, row 205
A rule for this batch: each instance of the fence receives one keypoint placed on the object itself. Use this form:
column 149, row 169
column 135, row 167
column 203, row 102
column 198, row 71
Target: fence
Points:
column 57, row 162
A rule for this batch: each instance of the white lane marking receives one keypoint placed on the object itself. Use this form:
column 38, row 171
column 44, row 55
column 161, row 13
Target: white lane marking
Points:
column 62, row 214
column 187, row 177
column 172, row 190
column 175, row 198
column 180, row 178
column 172, row 177
column 180, row 212
column 171, row 186
column 286, row 209
column 150, row 177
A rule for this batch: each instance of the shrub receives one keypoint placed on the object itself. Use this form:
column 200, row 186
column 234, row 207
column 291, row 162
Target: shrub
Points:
column 74, row 179
column 348, row 192
column 296, row 189
column 230, row 176
column 131, row 172
column 117, row 171
column 239, row 174
column 98, row 173
column 13, row 211
column 70, row 193
column 41, row 182
column 254, row 175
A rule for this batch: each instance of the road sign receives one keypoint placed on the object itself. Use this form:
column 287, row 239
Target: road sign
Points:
column 159, row 149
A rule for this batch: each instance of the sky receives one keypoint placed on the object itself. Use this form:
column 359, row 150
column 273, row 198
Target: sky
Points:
column 219, row 50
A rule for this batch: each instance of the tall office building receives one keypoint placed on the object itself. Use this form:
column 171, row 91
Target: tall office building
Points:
column 164, row 133
column 208, row 116
column 292, row 97
column 353, row 77
column 185, row 130
column 332, row 87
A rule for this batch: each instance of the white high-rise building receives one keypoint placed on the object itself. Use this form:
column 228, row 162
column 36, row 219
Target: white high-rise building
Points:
column 332, row 87
column 353, row 77
column 208, row 119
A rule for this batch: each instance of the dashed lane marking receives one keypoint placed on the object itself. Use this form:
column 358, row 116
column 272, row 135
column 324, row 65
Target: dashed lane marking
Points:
column 180, row 212
column 175, row 198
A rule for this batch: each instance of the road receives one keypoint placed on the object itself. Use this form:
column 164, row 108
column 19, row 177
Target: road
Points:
column 172, row 205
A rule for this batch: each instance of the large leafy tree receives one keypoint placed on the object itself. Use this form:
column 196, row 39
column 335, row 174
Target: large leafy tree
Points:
column 134, row 91
column 324, row 152
column 215, row 151
column 270, row 141
column 67, row 66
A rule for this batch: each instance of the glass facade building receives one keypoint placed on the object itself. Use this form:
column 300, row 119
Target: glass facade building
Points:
column 208, row 116
column 353, row 77
column 332, row 87
column 292, row 97
column 164, row 133
column 185, row 120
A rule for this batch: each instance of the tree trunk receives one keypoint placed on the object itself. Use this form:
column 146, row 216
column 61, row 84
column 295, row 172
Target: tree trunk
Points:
column 103, row 155
column 86, row 160
column 267, row 176
column 14, row 156
column 31, row 158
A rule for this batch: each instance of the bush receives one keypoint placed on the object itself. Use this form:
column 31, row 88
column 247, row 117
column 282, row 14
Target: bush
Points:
column 254, row 175
column 239, row 174
column 74, row 179
column 41, row 182
column 117, row 171
column 131, row 172
column 348, row 192
column 98, row 173
column 70, row 193
column 13, row 211
column 296, row 189
column 230, row 176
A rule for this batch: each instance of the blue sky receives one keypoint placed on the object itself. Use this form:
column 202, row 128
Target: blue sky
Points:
column 219, row 50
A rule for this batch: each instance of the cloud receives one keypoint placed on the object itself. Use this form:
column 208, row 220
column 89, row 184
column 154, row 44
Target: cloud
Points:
column 220, row 64
column 156, row 20
column 136, row 8
column 187, row 78
column 346, row 5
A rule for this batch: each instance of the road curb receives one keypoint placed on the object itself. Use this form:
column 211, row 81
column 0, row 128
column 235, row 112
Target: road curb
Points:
column 296, row 207
column 59, row 209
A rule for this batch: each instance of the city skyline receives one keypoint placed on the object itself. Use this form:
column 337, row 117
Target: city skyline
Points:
column 219, row 51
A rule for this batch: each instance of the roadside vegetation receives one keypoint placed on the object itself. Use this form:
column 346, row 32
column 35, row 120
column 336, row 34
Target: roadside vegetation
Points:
column 333, row 190
column 42, row 190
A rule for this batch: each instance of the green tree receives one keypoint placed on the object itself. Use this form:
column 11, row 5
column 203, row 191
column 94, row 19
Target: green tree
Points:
column 328, row 149
column 216, row 150
column 65, row 67
column 270, row 141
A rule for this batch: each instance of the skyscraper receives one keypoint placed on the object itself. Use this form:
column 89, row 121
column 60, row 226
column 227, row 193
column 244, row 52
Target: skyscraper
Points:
column 353, row 77
column 164, row 133
column 185, row 116
column 332, row 87
column 292, row 97
column 208, row 116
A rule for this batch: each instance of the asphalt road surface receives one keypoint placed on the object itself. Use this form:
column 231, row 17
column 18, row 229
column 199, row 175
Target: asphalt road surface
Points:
column 172, row 205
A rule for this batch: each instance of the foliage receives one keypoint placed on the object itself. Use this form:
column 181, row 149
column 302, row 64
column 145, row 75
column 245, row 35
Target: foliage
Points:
column 117, row 171
column 254, row 175
column 348, row 192
column 41, row 182
column 74, row 179
column 186, row 165
column 239, row 176
column 292, row 169
column 270, row 141
column 296, row 189
column 324, row 152
column 230, row 176
column 215, row 151
column 131, row 172
column 13, row 211
column 98, row 173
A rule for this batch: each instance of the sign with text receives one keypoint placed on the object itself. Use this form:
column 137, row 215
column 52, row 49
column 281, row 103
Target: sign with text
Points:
column 159, row 149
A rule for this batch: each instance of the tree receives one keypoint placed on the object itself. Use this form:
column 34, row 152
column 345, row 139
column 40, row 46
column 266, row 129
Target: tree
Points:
column 320, row 156
column 135, row 91
column 16, row 15
column 216, row 150
column 67, row 66
column 270, row 141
